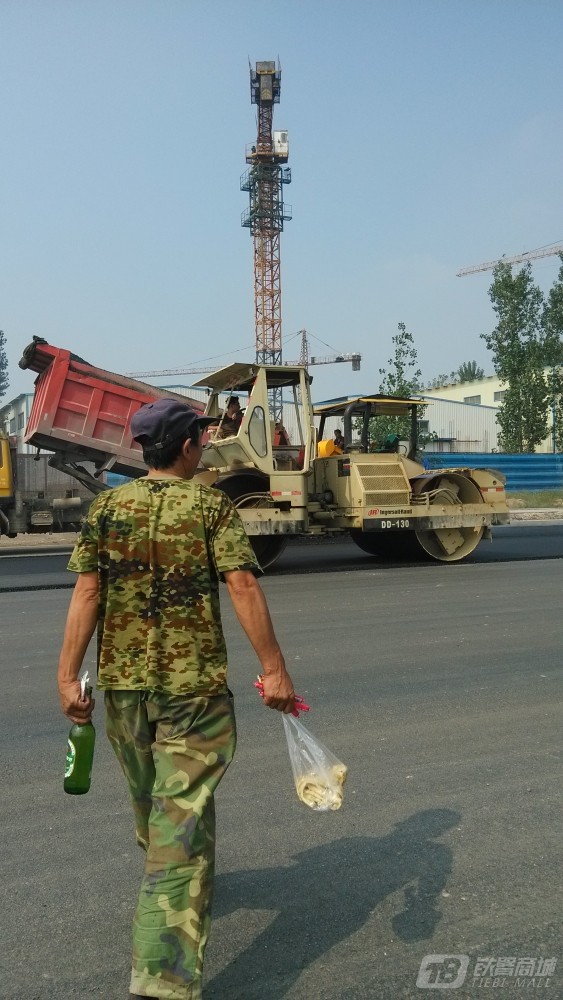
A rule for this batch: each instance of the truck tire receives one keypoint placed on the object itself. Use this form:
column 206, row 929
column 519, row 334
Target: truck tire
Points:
column 244, row 489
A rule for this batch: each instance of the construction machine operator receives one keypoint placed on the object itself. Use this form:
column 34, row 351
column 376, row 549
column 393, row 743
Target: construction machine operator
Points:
column 232, row 419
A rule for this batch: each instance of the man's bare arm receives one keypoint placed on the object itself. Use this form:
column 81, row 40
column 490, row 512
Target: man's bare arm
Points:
column 80, row 626
column 252, row 612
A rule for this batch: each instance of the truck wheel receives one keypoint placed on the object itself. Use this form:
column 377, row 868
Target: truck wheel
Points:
column 268, row 548
column 252, row 490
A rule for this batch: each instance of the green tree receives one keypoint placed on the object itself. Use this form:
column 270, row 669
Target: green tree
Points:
column 517, row 344
column 400, row 378
column 440, row 380
column 552, row 330
column 469, row 371
column 4, row 381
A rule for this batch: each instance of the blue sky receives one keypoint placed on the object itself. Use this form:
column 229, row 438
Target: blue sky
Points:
column 424, row 136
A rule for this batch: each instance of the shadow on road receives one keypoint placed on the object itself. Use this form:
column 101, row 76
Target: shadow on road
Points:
column 327, row 895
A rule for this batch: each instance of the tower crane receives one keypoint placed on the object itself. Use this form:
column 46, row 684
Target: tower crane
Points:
column 264, row 180
column 521, row 258
column 304, row 359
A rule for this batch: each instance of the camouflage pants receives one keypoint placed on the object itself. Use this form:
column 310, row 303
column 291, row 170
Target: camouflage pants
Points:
column 173, row 751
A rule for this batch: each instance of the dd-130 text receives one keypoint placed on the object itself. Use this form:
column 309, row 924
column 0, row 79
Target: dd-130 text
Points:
column 399, row 522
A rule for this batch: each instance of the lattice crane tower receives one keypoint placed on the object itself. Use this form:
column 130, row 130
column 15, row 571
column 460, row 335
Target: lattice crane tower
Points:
column 519, row 258
column 264, row 180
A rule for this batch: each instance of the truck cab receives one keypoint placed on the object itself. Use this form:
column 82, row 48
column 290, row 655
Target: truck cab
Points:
column 10, row 503
column 6, row 476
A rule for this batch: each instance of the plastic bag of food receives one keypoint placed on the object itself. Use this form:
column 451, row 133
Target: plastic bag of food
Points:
column 319, row 776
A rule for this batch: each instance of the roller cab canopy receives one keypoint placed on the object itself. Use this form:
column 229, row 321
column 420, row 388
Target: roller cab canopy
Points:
column 377, row 405
column 259, row 440
column 356, row 412
column 241, row 376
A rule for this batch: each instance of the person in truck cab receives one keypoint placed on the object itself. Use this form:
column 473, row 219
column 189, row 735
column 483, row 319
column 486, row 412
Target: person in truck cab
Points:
column 339, row 439
column 232, row 419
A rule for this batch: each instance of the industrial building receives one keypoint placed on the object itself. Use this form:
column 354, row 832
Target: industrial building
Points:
column 458, row 426
column 482, row 394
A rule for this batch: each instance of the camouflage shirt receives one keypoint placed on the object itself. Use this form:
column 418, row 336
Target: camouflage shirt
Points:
column 159, row 547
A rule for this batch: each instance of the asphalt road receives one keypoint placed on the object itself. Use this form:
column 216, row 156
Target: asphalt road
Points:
column 524, row 540
column 440, row 690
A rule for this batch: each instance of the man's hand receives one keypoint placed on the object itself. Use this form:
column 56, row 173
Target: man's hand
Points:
column 278, row 692
column 74, row 707
column 80, row 626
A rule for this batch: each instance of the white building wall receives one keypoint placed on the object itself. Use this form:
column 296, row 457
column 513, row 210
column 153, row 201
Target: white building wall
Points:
column 13, row 420
column 487, row 389
column 486, row 392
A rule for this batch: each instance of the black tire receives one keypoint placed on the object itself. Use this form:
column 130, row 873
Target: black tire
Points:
column 242, row 484
column 388, row 545
column 267, row 548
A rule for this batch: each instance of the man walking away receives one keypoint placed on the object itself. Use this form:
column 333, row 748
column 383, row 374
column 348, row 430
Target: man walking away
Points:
column 149, row 560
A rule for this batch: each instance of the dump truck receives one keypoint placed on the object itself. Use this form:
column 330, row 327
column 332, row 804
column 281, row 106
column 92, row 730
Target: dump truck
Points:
column 34, row 497
column 80, row 419
column 82, row 414
column 385, row 500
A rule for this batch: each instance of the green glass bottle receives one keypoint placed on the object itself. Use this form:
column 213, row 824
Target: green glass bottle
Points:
column 80, row 752
column 79, row 757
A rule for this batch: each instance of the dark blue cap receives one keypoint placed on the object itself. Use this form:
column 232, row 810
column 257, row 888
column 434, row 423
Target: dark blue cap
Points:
column 164, row 421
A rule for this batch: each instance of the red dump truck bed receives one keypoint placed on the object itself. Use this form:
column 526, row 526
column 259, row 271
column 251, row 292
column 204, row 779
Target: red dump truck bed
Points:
column 85, row 412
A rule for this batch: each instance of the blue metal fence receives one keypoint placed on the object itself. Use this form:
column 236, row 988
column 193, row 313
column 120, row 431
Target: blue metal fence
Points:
column 523, row 472
column 113, row 479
